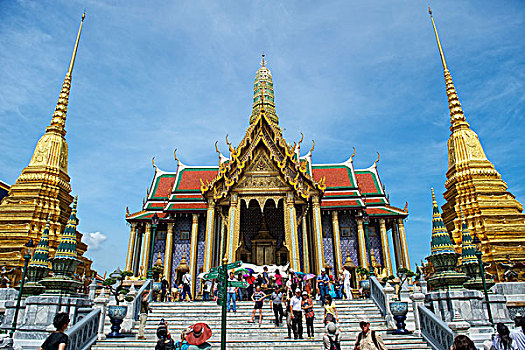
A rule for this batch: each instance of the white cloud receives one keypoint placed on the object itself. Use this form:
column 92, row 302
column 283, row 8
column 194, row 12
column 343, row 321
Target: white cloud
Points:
column 94, row 240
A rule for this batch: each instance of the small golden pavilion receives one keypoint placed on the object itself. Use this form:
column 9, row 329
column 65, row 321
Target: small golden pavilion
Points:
column 267, row 204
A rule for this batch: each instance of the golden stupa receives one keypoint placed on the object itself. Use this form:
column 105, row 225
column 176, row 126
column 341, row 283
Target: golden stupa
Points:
column 43, row 189
column 475, row 187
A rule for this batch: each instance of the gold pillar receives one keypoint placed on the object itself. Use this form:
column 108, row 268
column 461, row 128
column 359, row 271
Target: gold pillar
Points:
column 387, row 263
column 318, row 236
column 193, row 252
column 337, row 243
column 306, row 254
column 145, row 250
column 210, row 225
column 363, row 261
column 168, row 253
column 135, row 259
column 395, row 240
column 292, row 241
column 403, row 243
column 233, row 228
column 131, row 247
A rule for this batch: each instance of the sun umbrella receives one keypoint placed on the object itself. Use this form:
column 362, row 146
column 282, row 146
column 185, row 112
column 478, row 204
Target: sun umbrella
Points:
column 243, row 271
column 298, row 273
column 309, row 276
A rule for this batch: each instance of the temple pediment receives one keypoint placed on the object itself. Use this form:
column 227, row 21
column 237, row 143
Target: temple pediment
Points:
column 263, row 159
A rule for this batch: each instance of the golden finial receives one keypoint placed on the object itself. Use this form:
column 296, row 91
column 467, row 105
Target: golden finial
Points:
column 313, row 146
column 437, row 40
column 352, row 156
column 58, row 122
column 153, row 163
column 457, row 118
column 406, row 207
column 377, row 160
column 263, row 62
column 127, row 211
column 175, row 155
column 300, row 141
column 232, row 150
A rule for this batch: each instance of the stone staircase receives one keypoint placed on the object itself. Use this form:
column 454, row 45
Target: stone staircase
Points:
column 241, row 334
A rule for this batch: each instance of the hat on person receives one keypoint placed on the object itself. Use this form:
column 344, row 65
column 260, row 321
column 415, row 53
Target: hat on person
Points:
column 297, row 290
column 331, row 328
column 199, row 334
column 363, row 320
column 305, row 293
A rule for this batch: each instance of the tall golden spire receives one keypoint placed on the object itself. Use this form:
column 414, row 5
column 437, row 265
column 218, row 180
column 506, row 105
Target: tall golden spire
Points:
column 457, row 118
column 58, row 123
column 475, row 187
column 263, row 94
column 43, row 189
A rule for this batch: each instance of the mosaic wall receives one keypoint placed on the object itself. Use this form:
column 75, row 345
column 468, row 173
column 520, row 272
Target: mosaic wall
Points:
column 200, row 246
column 328, row 239
column 375, row 242
column 300, row 242
column 159, row 247
column 348, row 233
column 180, row 243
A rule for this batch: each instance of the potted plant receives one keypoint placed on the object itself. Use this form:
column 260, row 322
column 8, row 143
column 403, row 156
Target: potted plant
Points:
column 117, row 312
column 398, row 308
column 365, row 282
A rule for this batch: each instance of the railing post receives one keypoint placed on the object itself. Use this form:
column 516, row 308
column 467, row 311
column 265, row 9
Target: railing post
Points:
column 101, row 302
column 417, row 299
column 389, row 292
column 129, row 320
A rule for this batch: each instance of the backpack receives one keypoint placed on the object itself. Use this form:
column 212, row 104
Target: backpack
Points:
column 374, row 339
column 334, row 344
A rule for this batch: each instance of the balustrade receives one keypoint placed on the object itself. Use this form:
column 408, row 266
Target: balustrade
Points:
column 434, row 330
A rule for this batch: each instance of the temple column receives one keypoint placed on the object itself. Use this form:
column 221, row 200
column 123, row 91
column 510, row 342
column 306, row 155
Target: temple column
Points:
column 337, row 243
column 318, row 236
column 233, row 227
column 145, row 251
column 210, row 221
column 135, row 259
column 403, row 243
column 387, row 263
column 292, row 241
column 395, row 241
column 306, row 254
column 363, row 261
column 168, row 254
column 131, row 246
column 193, row 252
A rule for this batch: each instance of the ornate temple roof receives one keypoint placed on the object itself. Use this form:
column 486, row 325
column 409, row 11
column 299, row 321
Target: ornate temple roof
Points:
column 339, row 185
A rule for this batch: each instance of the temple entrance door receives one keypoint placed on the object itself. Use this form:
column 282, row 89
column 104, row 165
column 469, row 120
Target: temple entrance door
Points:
column 264, row 246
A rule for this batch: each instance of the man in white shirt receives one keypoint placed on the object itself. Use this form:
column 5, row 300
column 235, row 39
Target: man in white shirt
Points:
column 346, row 283
column 297, row 315
column 232, row 293
column 186, row 281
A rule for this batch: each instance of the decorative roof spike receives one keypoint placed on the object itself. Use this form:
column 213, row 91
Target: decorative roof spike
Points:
column 377, row 160
column 58, row 123
column 263, row 94
column 68, row 242
column 457, row 118
column 441, row 242
column 41, row 256
column 153, row 163
column 468, row 249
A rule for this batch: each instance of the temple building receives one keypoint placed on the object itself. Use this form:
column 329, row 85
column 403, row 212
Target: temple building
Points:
column 475, row 187
column 42, row 190
column 266, row 204
column 4, row 189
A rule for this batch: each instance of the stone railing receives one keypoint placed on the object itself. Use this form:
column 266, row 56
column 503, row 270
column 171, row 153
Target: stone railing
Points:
column 378, row 295
column 134, row 306
column 436, row 332
column 84, row 333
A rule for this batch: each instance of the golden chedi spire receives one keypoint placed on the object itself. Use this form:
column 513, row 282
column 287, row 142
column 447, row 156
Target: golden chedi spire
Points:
column 43, row 189
column 263, row 95
column 475, row 187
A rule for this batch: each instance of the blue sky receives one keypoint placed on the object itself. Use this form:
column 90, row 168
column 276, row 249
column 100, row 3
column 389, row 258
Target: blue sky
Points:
column 154, row 76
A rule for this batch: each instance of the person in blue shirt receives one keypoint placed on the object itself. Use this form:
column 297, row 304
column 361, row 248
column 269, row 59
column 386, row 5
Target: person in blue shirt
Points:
column 322, row 285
